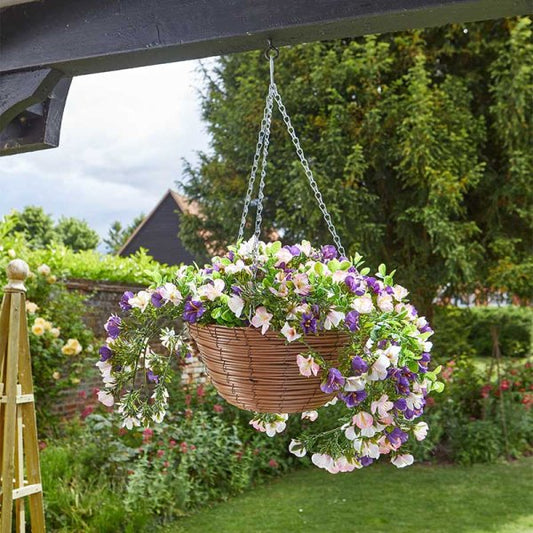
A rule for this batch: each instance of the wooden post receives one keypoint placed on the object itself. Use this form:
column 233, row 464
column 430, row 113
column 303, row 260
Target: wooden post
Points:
column 19, row 447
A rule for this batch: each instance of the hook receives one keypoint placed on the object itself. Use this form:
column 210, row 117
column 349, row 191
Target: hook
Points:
column 271, row 52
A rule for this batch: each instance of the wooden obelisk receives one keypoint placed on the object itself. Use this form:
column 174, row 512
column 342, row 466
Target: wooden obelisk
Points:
column 19, row 447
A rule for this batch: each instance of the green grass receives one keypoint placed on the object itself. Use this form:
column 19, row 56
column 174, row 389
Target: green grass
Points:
column 425, row 499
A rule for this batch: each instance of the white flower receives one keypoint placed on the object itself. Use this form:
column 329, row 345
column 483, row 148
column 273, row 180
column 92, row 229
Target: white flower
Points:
column 322, row 460
column 261, row 319
column 236, row 304
column 339, row 276
column 158, row 417
column 271, row 428
column 420, row 430
column 168, row 338
column 333, row 319
column 385, row 303
column 140, row 300
column 355, row 383
column 310, row 415
column 392, row 352
column 333, row 401
column 370, row 449
column 44, row 270
column 414, row 401
column 31, row 307
column 297, row 448
column 289, row 332
column 212, row 291
column 402, row 461
column 106, row 398
column 363, row 304
column 284, row 255
column 305, row 247
column 130, row 421
column 169, row 292
column 378, row 371
column 239, row 266
column 351, row 433
column 399, row 292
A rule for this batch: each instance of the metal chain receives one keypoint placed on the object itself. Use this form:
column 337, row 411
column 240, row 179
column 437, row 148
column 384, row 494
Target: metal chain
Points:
column 265, row 123
column 309, row 174
column 262, row 149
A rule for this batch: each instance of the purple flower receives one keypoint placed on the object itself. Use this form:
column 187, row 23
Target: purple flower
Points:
column 373, row 284
column 124, row 305
column 400, row 404
column 354, row 285
column 235, row 289
column 425, row 329
column 334, row 381
column 308, row 323
column 157, row 299
column 112, row 326
column 423, row 363
column 351, row 399
column 294, row 250
column 389, row 290
column 152, row 378
column 366, row 461
column 409, row 414
column 359, row 366
column 105, row 353
column 352, row 320
column 230, row 255
column 193, row 310
column 402, row 386
column 397, row 437
column 329, row 251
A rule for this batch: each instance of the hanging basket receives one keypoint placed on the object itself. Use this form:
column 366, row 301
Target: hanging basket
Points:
column 259, row 372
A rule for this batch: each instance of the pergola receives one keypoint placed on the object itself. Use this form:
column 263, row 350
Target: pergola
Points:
column 44, row 44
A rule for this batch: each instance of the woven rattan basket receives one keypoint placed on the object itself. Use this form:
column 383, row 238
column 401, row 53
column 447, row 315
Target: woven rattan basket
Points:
column 259, row 372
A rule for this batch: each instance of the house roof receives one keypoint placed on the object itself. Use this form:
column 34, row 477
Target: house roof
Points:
column 183, row 204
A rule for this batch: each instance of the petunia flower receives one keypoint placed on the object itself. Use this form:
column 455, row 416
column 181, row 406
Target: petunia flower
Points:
column 310, row 415
column 106, row 398
column 352, row 320
column 301, row 284
column 381, row 406
column 213, row 290
column 261, row 319
column 329, row 252
column 105, row 353
column 124, row 301
column 355, row 383
column 399, row 292
column 402, row 461
column 112, row 326
column 140, row 300
column 359, row 365
column 307, row 365
column 363, row 420
column 193, row 310
column 385, row 303
column 420, row 430
column 236, row 304
column 309, row 323
column 363, row 305
column 333, row 382
column 297, row 448
column 290, row 332
column 397, row 437
column 378, row 370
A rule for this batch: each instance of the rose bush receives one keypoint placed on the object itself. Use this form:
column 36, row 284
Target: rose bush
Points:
column 382, row 376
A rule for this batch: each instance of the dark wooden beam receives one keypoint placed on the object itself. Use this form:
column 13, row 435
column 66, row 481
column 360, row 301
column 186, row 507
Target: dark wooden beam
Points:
column 37, row 127
column 42, row 41
column 87, row 36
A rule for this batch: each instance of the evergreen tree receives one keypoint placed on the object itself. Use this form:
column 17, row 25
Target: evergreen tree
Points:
column 420, row 142
column 117, row 235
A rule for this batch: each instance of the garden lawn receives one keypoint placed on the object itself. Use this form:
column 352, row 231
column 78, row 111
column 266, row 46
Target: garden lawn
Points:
column 425, row 499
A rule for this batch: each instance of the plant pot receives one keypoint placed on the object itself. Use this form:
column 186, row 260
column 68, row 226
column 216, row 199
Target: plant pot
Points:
column 259, row 372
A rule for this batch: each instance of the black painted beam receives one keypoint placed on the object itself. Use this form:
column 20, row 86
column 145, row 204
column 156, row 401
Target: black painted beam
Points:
column 86, row 36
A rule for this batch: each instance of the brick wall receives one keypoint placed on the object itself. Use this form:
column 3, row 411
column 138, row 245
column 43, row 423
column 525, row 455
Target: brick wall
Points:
column 102, row 300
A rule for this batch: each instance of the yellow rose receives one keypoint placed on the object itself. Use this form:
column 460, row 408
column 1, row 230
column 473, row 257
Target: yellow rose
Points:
column 75, row 381
column 47, row 325
column 51, row 279
column 31, row 307
column 72, row 347
column 44, row 270
column 40, row 321
column 55, row 332
column 56, row 375
column 37, row 329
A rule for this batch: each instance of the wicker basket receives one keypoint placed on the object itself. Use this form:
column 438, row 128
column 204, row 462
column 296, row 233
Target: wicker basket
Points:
column 259, row 372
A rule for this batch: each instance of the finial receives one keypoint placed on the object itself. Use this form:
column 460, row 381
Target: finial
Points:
column 17, row 271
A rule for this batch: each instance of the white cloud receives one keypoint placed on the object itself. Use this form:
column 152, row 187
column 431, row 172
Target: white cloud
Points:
column 123, row 138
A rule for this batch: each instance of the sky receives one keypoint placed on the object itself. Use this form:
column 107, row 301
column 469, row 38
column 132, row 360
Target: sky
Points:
column 123, row 139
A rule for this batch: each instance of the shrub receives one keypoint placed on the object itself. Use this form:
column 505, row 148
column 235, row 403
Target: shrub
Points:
column 468, row 331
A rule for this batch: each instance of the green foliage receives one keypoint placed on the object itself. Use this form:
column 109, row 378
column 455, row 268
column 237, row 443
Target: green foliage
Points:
column 468, row 331
column 420, row 142
column 35, row 225
column 117, row 235
column 76, row 234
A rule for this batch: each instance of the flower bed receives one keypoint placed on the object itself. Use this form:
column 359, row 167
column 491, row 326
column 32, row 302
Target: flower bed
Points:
column 381, row 374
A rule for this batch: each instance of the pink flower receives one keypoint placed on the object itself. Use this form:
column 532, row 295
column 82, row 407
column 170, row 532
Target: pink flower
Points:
column 218, row 408
column 382, row 406
column 363, row 420
column 273, row 463
column 307, row 365
column 261, row 319
column 289, row 332
column 402, row 461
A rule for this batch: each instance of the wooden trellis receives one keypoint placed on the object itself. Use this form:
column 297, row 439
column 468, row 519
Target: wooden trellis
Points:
column 19, row 448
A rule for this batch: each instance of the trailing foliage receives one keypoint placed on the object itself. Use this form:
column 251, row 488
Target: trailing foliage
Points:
column 420, row 141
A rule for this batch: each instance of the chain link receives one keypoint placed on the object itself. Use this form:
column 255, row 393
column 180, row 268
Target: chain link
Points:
column 309, row 173
column 262, row 149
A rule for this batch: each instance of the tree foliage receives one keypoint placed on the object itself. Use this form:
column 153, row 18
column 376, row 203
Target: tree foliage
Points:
column 39, row 230
column 420, row 142
column 117, row 235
